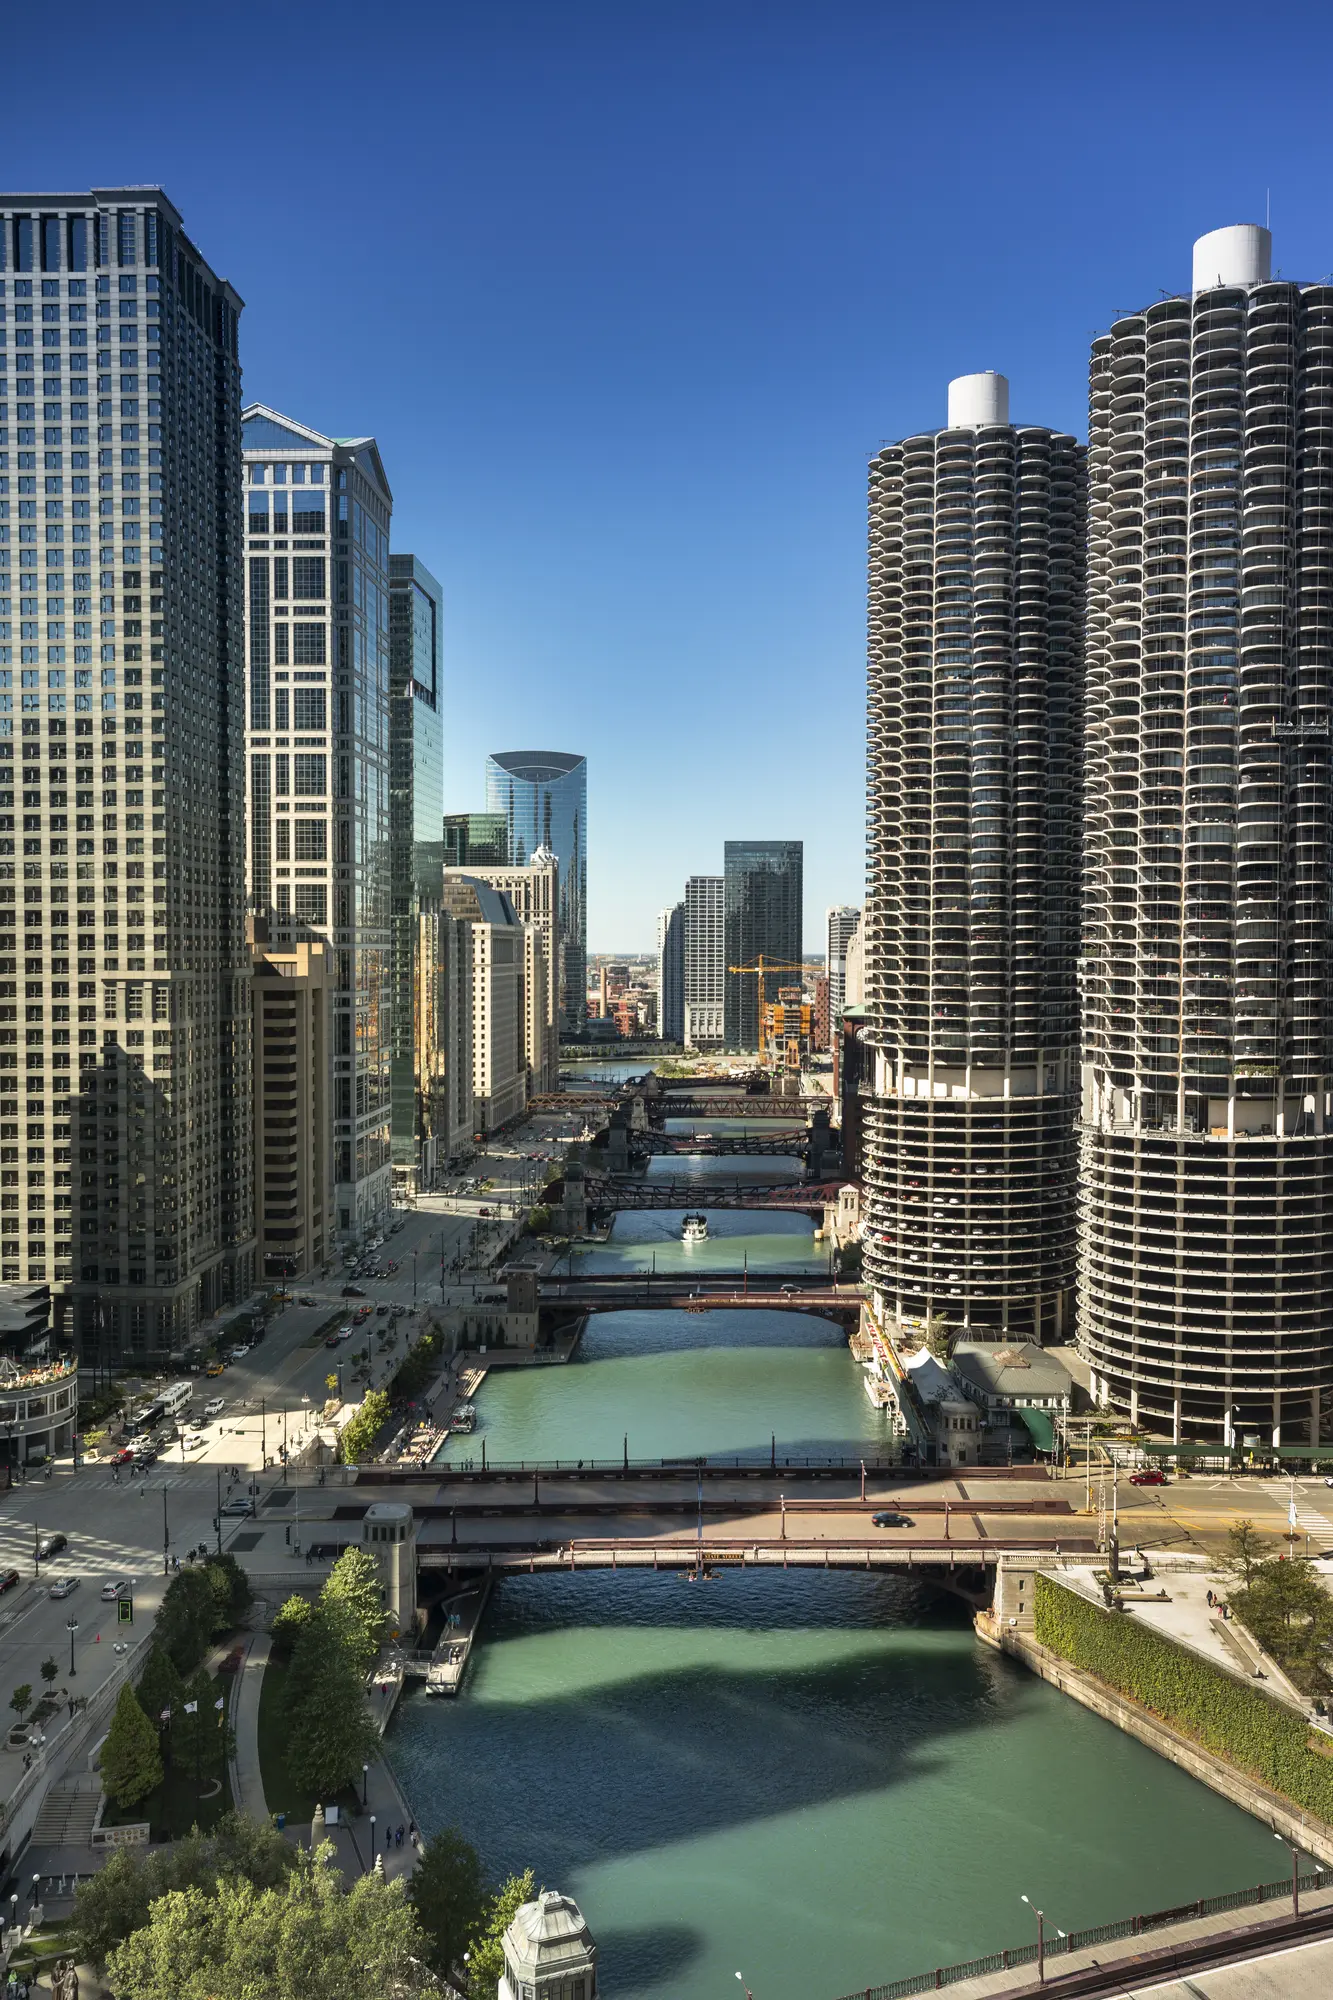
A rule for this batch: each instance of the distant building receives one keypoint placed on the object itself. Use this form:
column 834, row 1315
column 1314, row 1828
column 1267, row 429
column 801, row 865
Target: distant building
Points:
column 787, row 1030
column 671, row 973
column 444, row 1033
column 476, row 840
column 854, row 970
column 822, row 1023
column 705, row 961
column 534, row 894
column 842, row 921
column 416, row 799
column 762, row 891
column 292, row 989
column 853, row 1075
column 549, row 1953
column 543, row 795
column 499, row 1061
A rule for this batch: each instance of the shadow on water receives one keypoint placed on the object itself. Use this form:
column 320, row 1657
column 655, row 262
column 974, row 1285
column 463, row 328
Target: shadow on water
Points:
column 646, row 1958
column 615, row 1335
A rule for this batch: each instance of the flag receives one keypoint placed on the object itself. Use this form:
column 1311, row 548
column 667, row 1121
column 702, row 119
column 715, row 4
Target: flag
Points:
column 1291, row 1513
column 164, row 1715
column 220, row 1702
column 192, row 1708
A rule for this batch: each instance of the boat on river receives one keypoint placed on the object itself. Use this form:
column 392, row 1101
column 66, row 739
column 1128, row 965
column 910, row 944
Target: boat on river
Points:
column 464, row 1418
column 694, row 1229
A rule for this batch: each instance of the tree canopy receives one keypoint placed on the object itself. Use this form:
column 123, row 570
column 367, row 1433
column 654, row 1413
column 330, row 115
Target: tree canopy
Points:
column 361, row 1430
column 487, row 1961
column 448, row 1892
column 329, row 1730
column 115, row 1902
column 352, row 1594
column 131, row 1759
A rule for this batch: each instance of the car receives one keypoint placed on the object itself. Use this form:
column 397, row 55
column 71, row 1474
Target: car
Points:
column 353, row 1292
column 215, row 1368
column 889, row 1519
column 333, row 1340
column 123, row 1456
column 9, row 1580
column 1152, row 1477
column 236, row 1507
column 117, row 1587
column 195, row 1443
column 380, row 1311
column 305, row 1299
column 51, row 1545
column 345, row 1332
column 280, row 1298
column 145, row 1456
column 238, row 1353
column 198, row 1424
column 64, row 1586
column 214, row 1408
column 483, row 1211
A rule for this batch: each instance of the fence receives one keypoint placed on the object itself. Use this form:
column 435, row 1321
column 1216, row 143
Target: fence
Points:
column 1058, row 1947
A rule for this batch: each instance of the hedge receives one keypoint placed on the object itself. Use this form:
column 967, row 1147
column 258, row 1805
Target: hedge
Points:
column 1238, row 1723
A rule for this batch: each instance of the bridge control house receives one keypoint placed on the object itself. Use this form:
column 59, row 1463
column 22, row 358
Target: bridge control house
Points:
column 1016, row 1381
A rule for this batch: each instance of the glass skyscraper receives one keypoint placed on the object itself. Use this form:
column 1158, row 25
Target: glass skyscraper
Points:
column 416, row 806
column 762, row 884
column 544, row 797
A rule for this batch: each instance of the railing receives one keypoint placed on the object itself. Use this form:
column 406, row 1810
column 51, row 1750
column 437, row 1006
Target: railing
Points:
column 1060, row 1946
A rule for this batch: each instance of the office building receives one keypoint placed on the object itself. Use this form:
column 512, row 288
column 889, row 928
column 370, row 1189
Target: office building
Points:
column 317, row 817
column 705, row 962
column 841, row 924
column 476, row 840
column 971, row 920
column 416, row 807
column 127, row 1156
column 533, row 894
column 444, row 1033
column 671, row 973
column 543, row 795
column 293, row 1159
column 762, row 889
column 498, row 949
column 1206, row 1256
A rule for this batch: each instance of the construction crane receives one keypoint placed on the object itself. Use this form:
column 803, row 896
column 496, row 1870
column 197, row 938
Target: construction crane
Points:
column 762, row 967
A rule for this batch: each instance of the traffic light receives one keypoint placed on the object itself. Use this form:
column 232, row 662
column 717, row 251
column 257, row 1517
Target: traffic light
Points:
column 125, row 1610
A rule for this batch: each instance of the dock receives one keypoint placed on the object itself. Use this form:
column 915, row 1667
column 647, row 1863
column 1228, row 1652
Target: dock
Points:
column 448, row 1662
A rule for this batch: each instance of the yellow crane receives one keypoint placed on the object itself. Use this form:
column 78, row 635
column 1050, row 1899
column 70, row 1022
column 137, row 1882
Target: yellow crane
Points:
column 762, row 967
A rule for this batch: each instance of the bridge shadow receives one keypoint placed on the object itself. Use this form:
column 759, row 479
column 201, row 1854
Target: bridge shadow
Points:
column 642, row 1959
column 630, row 1331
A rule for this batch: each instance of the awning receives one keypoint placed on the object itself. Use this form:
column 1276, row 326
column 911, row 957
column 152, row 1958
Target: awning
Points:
column 1039, row 1428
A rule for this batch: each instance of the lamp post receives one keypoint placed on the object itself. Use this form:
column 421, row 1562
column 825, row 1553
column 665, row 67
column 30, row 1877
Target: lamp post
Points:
column 374, row 1842
column 166, row 1537
column 365, row 1785
column 71, row 1626
column 1295, row 1875
column 1041, row 1936
column 748, row 1994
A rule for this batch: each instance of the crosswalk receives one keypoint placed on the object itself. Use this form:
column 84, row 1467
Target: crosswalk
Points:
column 1309, row 1521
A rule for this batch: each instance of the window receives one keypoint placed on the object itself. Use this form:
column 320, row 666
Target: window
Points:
column 312, row 840
column 258, row 513
column 280, row 640
column 283, row 830
column 310, row 776
column 279, row 576
column 309, row 707
column 305, row 520
column 311, row 902
column 308, row 576
column 125, row 242
column 280, row 708
column 308, row 645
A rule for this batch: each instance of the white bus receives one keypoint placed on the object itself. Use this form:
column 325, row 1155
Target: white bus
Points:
column 174, row 1399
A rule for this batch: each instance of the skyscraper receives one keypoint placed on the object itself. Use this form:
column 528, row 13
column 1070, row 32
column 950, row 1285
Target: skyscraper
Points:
column 126, row 384
column 842, row 922
column 533, row 893
column 476, row 839
column 544, row 797
column 416, row 806
column 671, row 973
column 971, row 921
column 705, row 961
column 1206, row 1305
column 762, row 889
column 317, row 624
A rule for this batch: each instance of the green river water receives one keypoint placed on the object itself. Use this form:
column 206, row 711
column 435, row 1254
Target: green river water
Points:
column 824, row 1781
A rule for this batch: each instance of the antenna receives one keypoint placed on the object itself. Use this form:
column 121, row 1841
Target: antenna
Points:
column 1268, row 207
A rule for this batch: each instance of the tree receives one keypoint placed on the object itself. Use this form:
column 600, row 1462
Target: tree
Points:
column 287, row 1623
column 352, row 1593
column 307, row 1936
column 160, row 1688
column 194, row 1726
column 21, row 1699
column 329, row 1730
column 50, row 1670
column 487, row 1962
column 231, row 1590
column 187, row 1618
column 941, row 1337
column 1290, row 1613
column 115, row 1902
column 131, row 1760
column 362, row 1429
column 539, row 1219
column 448, row 1893
column 1247, row 1551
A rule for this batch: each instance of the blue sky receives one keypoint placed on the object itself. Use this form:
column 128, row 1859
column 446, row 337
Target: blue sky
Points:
column 629, row 292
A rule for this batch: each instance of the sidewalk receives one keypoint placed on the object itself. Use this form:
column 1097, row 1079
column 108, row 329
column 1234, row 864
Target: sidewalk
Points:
column 247, row 1781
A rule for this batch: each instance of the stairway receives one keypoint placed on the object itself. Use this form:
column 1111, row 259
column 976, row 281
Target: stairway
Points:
column 67, row 1815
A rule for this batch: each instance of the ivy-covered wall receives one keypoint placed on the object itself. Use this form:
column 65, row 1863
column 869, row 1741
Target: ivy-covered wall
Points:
column 1239, row 1723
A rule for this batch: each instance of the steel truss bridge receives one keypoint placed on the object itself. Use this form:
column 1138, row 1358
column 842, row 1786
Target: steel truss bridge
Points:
column 792, row 1145
column 607, row 1191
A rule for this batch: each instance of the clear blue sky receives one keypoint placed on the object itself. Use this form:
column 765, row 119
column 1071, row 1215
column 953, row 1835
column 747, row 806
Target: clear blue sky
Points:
column 629, row 292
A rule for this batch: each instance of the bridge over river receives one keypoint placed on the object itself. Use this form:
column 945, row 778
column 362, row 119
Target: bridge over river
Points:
column 622, row 1291
column 605, row 1191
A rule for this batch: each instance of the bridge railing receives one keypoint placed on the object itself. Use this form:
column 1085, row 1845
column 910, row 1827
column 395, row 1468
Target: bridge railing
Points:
column 831, row 1463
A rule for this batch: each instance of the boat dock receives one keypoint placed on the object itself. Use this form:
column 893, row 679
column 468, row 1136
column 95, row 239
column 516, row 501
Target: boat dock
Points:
column 449, row 1661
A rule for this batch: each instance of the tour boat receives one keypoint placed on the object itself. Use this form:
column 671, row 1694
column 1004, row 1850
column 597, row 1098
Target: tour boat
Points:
column 464, row 1418
column 694, row 1229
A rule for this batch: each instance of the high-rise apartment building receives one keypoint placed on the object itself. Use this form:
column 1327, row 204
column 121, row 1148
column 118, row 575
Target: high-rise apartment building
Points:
column 971, row 920
column 543, row 795
column 416, row 808
column 533, row 894
column 705, row 961
column 125, row 1141
column 762, row 889
column 841, row 924
column 501, row 950
column 293, row 1188
column 1206, row 1301
column 478, row 840
column 671, row 973
column 317, row 690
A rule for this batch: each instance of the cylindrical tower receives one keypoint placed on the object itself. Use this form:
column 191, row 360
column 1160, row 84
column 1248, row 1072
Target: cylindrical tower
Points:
column 1206, row 1263
column 971, row 927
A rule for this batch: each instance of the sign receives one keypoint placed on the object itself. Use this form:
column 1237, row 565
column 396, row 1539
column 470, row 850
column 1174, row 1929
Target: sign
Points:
column 125, row 1610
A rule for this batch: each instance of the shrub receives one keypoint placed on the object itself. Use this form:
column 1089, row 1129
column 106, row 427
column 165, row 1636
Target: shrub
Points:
column 1238, row 1723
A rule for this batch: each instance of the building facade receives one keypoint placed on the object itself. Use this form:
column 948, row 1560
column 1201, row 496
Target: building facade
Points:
column 543, row 795
column 416, row 809
column 841, row 924
column 533, row 894
column 444, row 1032
column 498, row 950
column 121, row 786
column 705, row 961
column 1206, row 1298
column 478, row 840
column 317, row 819
column 762, row 890
column 971, row 921
column 671, row 973
column 293, row 1132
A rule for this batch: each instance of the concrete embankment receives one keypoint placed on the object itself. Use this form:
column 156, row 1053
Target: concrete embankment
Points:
column 1313, row 1836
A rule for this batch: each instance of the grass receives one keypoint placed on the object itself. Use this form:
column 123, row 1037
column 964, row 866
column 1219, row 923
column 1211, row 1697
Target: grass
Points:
column 282, row 1794
column 176, row 1805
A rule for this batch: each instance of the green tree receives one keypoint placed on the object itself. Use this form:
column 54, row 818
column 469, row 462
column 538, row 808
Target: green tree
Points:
column 940, row 1336
column 131, row 1760
column 448, row 1893
column 362, row 1429
column 231, row 1590
column 1291, row 1615
column 194, row 1727
column 160, row 1688
column 287, row 1623
column 21, row 1699
column 50, row 1670
column 487, row 1961
column 329, row 1730
column 187, row 1618
column 352, row 1593
column 539, row 1219
column 309, row 1936
column 1247, row 1551
column 115, row 1902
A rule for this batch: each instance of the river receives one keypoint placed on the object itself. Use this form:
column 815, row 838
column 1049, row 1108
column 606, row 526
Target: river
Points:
column 825, row 1781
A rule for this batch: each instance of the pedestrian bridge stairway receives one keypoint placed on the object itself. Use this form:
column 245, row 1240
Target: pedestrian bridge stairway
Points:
column 68, row 1814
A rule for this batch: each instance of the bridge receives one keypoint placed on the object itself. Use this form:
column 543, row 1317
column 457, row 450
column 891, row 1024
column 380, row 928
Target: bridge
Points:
column 791, row 1145
column 607, row 1192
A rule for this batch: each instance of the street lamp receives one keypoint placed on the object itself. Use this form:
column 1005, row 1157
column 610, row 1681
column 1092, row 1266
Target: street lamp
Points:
column 1041, row 1936
column 71, row 1626
column 365, row 1784
column 748, row 1994
column 1295, row 1875
column 374, row 1842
